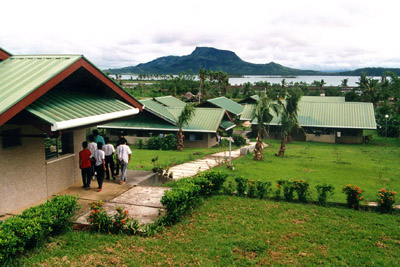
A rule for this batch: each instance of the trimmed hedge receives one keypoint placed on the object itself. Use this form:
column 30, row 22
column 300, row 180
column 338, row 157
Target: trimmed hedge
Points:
column 27, row 230
column 187, row 193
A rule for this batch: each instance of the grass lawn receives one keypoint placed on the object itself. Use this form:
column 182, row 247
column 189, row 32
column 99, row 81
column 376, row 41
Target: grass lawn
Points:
column 141, row 158
column 234, row 231
column 371, row 166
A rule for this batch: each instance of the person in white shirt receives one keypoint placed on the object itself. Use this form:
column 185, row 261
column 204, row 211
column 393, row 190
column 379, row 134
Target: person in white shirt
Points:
column 123, row 156
column 92, row 146
column 99, row 165
column 109, row 152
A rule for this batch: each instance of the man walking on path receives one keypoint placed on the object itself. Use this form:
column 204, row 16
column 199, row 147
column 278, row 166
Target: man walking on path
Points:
column 120, row 138
column 109, row 152
column 85, row 165
column 92, row 146
column 100, row 166
column 123, row 156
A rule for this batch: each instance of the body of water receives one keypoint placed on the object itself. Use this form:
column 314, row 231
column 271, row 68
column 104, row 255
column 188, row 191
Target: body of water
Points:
column 329, row 80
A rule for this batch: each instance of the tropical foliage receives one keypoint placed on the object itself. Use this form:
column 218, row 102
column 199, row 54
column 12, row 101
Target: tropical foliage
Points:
column 183, row 119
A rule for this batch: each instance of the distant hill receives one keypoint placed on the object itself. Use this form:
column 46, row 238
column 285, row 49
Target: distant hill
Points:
column 210, row 59
column 215, row 59
column 370, row 71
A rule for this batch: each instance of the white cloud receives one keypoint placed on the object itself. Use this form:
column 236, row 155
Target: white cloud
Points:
column 308, row 34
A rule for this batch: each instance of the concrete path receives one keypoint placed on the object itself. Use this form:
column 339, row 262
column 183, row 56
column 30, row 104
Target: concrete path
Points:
column 190, row 169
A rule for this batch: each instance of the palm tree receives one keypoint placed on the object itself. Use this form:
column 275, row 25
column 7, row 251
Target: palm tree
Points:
column 262, row 112
column 183, row 119
column 289, row 109
column 202, row 77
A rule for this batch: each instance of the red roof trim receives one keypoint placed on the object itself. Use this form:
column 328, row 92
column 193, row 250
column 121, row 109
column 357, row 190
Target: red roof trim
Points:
column 14, row 110
column 4, row 55
column 102, row 77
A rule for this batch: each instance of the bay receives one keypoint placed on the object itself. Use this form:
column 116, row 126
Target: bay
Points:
column 329, row 80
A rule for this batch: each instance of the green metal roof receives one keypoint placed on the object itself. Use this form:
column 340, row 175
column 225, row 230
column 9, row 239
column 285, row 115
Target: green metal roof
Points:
column 170, row 101
column 248, row 112
column 250, row 100
column 352, row 115
column 141, row 122
column 158, row 110
column 60, row 106
column 323, row 98
column 227, row 124
column 227, row 104
column 204, row 120
column 21, row 75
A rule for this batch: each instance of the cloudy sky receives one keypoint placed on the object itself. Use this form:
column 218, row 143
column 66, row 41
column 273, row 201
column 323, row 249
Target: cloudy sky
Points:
column 307, row 34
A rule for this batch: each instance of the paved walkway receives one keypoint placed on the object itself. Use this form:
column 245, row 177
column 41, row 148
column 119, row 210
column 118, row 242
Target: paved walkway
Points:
column 190, row 169
column 141, row 196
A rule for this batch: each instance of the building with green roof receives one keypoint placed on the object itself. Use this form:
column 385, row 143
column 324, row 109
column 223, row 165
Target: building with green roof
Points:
column 234, row 109
column 325, row 121
column 47, row 102
column 170, row 101
column 160, row 120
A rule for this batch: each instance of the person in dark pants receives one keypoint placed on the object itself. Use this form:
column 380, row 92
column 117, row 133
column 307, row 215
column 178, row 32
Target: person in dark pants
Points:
column 99, row 165
column 120, row 141
column 85, row 165
column 109, row 152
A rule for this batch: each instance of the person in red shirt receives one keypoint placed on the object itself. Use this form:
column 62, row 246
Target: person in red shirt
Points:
column 85, row 165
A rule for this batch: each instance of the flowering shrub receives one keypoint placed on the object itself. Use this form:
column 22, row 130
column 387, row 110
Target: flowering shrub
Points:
column 279, row 186
column 386, row 199
column 98, row 217
column 301, row 187
column 353, row 195
column 263, row 189
column 323, row 191
column 252, row 192
column 241, row 185
column 119, row 223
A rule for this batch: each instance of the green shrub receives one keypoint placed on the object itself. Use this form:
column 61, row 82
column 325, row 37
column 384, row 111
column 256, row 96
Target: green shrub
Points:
column 288, row 189
column 180, row 200
column 252, row 192
column 140, row 143
column 229, row 188
column 323, row 191
column 169, row 142
column 241, row 185
column 154, row 142
column 34, row 225
column 301, row 187
column 263, row 189
column 238, row 140
column 386, row 199
column 353, row 195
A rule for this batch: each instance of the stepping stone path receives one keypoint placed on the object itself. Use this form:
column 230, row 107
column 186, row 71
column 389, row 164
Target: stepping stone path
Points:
column 190, row 169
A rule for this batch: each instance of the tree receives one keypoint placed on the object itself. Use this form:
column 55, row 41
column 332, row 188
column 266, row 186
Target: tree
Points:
column 183, row 119
column 262, row 112
column 288, row 113
column 202, row 77
column 368, row 87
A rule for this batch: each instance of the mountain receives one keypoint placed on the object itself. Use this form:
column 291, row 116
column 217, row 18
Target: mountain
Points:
column 210, row 59
column 369, row 72
column 215, row 59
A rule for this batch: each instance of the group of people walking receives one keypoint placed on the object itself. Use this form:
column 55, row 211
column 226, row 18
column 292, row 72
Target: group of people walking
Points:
column 97, row 160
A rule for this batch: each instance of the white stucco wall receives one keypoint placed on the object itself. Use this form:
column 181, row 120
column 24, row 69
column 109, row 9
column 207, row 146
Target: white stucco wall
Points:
column 27, row 178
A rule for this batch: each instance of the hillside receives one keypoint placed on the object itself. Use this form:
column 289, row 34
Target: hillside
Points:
column 215, row 59
column 210, row 59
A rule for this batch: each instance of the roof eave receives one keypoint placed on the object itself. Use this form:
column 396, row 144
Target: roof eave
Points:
column 74, row 123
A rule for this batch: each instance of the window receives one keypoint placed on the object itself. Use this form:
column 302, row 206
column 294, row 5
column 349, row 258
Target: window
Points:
column 11, row 138
column 57, row 146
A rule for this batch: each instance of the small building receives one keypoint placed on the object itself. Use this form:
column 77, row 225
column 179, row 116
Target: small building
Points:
column 234, row 109
column 47, row 102
column 160, row 120
column 325, row 120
